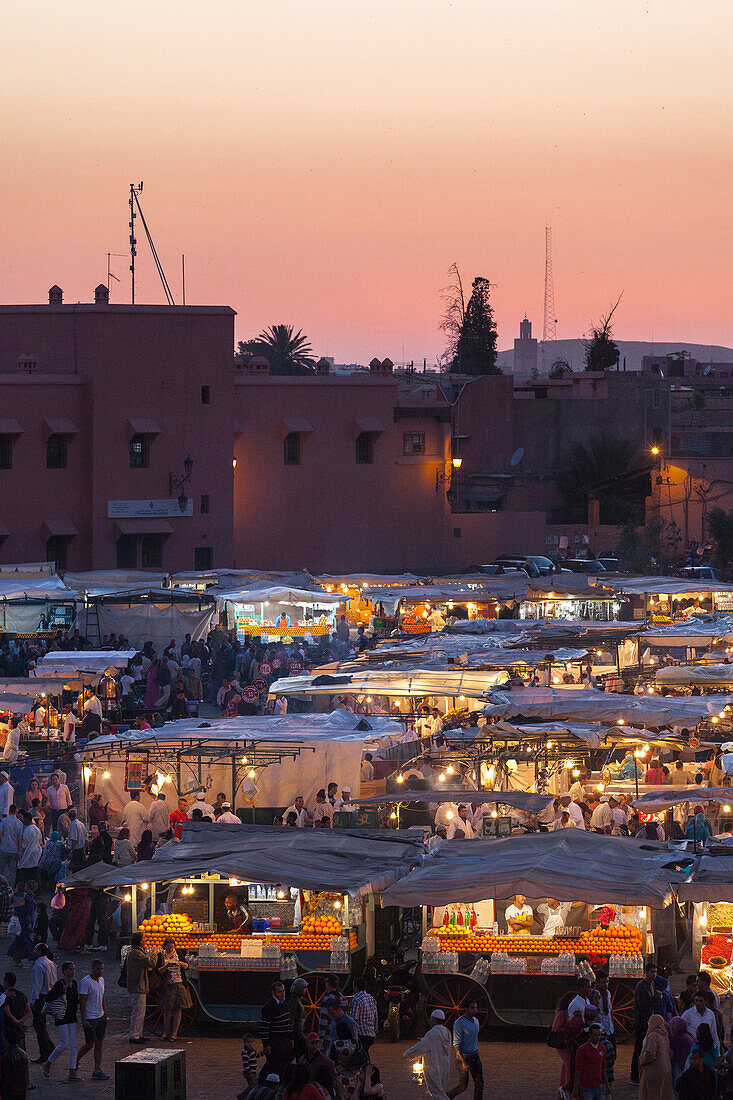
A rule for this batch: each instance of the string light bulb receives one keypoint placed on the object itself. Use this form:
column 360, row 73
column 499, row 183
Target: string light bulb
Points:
column 337, row 904
column 105, row 775
column 251, row 773
column 400, row 778
column 393, row 816
column 450, row 815
column 128, row 897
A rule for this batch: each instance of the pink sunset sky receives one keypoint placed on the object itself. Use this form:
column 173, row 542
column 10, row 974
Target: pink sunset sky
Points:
column 322, row 162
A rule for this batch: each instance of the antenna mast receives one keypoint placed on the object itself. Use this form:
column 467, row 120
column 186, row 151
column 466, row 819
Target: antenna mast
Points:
column 549, row 326
column 135, row 209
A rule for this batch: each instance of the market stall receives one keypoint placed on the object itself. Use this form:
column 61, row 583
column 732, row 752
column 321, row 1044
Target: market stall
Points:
column 276, row 612
column 488, row 938
column 249, row 904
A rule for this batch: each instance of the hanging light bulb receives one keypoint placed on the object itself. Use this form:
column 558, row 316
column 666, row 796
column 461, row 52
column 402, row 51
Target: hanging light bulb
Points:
column 105, row 775
column 441, row 777
column 244, row 759
column 400, row 778
column 337, row 904
column 87, row 772
column 576, row 773
column 494, row 813
column 450, row 815
column 393, row 816
column 251, row 773
column 726, row 809
column 450, row 769
column 128, row 897
column 143, row 885
column 281, row 893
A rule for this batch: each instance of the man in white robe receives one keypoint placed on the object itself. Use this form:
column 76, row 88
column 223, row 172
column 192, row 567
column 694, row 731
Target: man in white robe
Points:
column 435, row 1046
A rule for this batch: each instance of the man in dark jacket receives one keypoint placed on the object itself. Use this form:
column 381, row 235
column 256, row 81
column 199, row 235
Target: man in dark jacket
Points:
column 276, row 1033
column 138, row 985
column 697, row 1082
column 646, row 999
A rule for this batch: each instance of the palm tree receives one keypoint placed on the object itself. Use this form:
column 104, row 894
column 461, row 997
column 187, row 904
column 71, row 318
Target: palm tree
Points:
column 611, row 469
column 289, row 352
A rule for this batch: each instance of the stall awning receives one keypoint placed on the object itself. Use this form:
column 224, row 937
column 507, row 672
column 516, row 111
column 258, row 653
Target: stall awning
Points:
column 10, row 427
column 521, row 800
column 310, row 859
column 367, row 424
column 141, row 425
column 607, row 708
column 296, row 424
column 144, row 526
column 61, row 426
column 569, row 864
column 60, row 527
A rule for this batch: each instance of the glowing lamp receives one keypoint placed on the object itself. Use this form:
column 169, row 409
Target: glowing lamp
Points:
column 128, row 897
column 393, row 816
column 450, row 815
column 105, row 775
column 251, row 773
column 441, row 777
column 494, row 813
column 400, row 778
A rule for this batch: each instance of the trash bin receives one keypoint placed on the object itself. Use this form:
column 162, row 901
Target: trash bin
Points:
column 151, row 1074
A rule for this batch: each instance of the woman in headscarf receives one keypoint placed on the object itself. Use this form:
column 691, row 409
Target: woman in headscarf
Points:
column 655, row 1067
column 152, row 687
column 699, row 828
column 680, row 1045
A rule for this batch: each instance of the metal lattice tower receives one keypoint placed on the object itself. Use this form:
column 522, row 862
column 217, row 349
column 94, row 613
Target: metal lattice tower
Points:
column 549, row 326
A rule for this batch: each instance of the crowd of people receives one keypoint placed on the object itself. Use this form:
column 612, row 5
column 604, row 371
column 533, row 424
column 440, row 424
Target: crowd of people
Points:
column 679, row 1043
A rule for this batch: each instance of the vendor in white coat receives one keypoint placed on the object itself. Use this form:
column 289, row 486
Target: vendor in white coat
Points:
column 572, row 808
column 436, row 1046
column 462, row 824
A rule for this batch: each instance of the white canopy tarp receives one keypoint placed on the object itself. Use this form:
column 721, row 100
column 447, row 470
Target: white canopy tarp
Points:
column 695, row 632
column 608, row 708
column 41, row 588
column 511, row 586
column 67, row 662
column 653, row 586
column 689, row 675
column 472, row 684
column 276, row 593
column 568, row 864
column 150, row 620
column 655, row 801
column 114, row 580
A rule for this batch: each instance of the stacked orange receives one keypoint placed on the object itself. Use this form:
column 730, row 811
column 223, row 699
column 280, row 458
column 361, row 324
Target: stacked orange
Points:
column 612, row 941
column 325, row 926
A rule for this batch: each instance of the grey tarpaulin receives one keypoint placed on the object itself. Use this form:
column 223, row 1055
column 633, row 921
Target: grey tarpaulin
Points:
column 602, row 706
column 568, row 864
column 309, row 859
column 654, row 801
column 712, row 880
column 710, row 675
column 527, row 801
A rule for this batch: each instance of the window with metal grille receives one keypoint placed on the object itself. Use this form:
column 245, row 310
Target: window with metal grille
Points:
column 413, row 443
column 127, row 552
column 152, row 551
column 6, row 452
column 140, row 452
column 205, row 504
column 57, row 549
column 56, row 452
column 365, row 447
column 203, row 557
column 291, row 449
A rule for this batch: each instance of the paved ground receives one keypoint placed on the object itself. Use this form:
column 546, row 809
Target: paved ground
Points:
column 515, row 1066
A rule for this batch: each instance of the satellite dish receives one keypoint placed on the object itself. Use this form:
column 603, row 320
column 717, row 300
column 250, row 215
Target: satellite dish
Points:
column 706, row 372
column 517, row 457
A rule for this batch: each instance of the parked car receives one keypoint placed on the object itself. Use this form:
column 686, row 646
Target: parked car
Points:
column 583, row 565
column 494, row 570
column 698, row 573
column 611, row 565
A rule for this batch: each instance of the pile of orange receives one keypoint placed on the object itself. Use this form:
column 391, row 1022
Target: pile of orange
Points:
column 168, row 922
column 322, row 926
column 612, row 941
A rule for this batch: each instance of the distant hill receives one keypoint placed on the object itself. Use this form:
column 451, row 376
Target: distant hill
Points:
column 632, row 350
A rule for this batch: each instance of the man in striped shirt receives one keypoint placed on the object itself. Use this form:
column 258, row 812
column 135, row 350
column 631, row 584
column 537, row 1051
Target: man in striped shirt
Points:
column 276, row 1033
column 364, row 1011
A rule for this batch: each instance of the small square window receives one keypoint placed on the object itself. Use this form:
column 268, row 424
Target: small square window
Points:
column 127, row 552
column 56, row 453
column 205, row 504
column 656, row 399
column 456, row 532
column 365, row 447
column 291, row 449
column 6, row 452
column 413, row 443
column 206, row 395
column 139, row 452
column 203, row 557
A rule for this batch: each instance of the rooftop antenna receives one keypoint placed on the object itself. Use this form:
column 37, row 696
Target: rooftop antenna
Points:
column 110, row 273
column 135, row 209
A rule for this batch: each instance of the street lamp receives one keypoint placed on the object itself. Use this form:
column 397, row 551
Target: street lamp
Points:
column 176, row 483
column 443, row 478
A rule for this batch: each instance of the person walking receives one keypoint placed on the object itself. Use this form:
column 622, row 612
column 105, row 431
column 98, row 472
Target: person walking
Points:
column 591, row 1079
column 135, row 818
column 43, row 977
column 276, row 1033
column 655, row 1067
column 93, row 1006
column 646, row 999
column 174, row 996
column 159, row 816
column 76, row 841
column 435, row 1046
column 59, row 798
column 11, row 829
column 364, row 1011
column 30, row 848
column 138, row 985
column 297, row 1015
column 65, row 1026
column 465, row 1041
column 698, row 1081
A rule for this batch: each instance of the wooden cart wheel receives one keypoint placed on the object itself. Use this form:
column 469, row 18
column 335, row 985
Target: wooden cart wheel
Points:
column 622, row 1002
column 452, row 994
column 312, row 998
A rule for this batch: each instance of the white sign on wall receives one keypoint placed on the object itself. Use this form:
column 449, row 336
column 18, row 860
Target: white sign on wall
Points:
column 144, row 509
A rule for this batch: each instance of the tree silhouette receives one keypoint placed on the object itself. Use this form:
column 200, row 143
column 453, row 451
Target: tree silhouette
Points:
column 610, row 469
column 469, row 326
column 287, row 351
column 601, row 350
